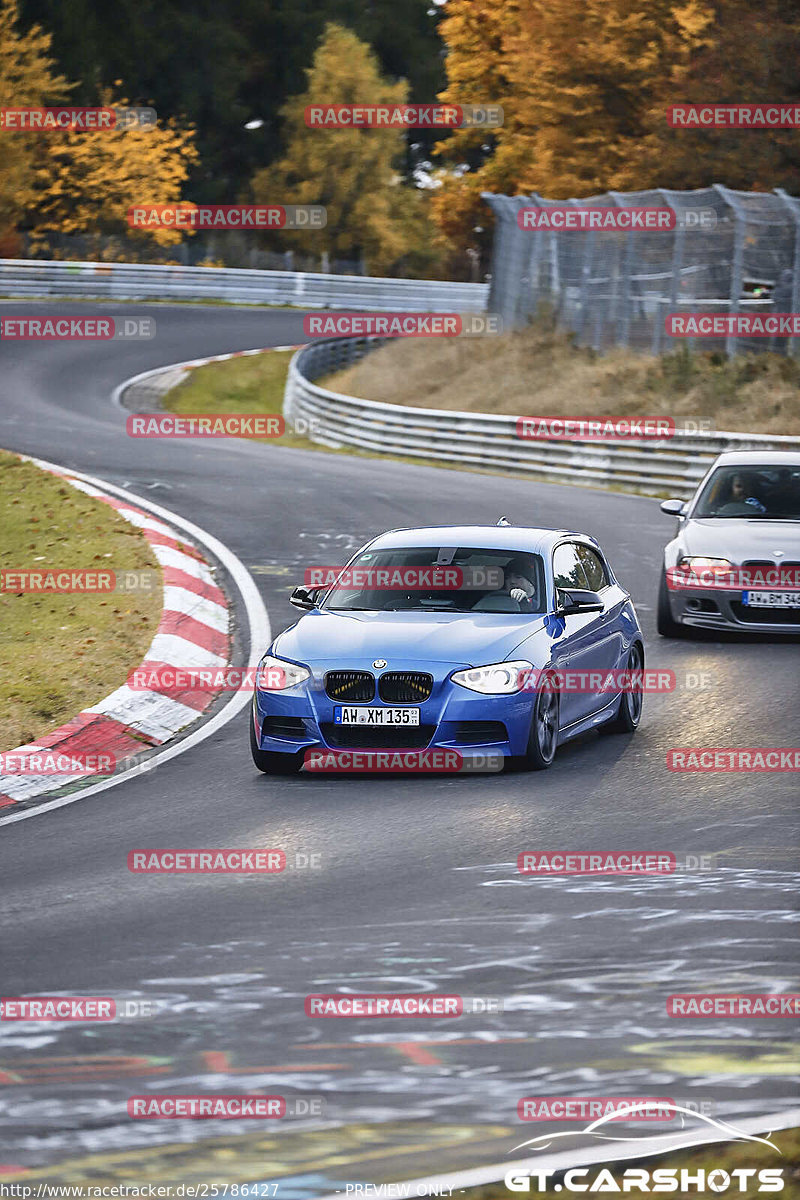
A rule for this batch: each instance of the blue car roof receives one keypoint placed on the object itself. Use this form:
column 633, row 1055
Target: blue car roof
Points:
column 487, row 537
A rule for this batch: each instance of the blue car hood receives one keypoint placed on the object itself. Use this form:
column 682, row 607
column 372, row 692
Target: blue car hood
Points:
column 356, row 639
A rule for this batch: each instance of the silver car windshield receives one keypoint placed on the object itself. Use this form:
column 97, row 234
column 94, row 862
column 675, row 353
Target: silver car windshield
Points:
column 764, row 492
column 441, row 579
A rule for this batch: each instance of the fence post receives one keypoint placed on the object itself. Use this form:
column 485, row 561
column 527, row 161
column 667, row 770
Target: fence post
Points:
column 794, row 210
column 586, row 277
column 737, row 265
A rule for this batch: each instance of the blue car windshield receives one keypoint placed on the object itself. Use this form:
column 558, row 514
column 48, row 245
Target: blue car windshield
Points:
column 446, row 579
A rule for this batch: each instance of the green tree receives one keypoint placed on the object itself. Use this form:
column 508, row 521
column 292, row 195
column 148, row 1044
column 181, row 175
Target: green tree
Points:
column 353, row 172
column 222, row 65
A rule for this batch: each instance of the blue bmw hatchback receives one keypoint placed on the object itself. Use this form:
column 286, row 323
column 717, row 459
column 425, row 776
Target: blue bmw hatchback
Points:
column 429, row 639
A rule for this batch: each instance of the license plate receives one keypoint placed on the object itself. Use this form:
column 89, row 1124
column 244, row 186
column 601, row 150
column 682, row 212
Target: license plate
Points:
column 771, row 599
column 375, row 716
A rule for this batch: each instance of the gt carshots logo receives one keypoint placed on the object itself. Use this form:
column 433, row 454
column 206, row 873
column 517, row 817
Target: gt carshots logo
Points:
column 639, row 1179
column 660, row 1179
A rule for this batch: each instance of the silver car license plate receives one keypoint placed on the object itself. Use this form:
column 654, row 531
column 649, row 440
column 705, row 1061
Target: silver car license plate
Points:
column 771, row 599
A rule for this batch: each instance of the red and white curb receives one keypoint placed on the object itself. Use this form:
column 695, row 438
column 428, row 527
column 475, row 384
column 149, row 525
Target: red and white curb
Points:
column 194, row 632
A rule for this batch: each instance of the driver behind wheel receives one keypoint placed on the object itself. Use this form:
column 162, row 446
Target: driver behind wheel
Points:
column 518, row 583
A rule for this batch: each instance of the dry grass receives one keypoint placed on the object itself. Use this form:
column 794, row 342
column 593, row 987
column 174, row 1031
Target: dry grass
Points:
column 540, row 372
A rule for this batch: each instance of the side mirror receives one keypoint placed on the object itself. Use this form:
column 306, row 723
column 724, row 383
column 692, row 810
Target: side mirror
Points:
column 578, row 600
column 673, row 508
column 305, row 598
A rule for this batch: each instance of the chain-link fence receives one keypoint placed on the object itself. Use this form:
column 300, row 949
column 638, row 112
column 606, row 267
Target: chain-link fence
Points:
column 727, row 252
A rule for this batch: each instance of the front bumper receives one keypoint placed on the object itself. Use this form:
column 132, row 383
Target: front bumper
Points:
column 709, row 608
column 452, row 718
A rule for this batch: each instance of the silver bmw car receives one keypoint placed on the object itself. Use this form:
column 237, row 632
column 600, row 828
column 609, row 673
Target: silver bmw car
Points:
column 734, row 562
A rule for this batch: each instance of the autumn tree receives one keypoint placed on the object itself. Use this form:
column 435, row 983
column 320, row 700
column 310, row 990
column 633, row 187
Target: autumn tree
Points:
column 27, row 80
column 751, row 55
column 585, row 85
column 372, row 214
column 88, row 179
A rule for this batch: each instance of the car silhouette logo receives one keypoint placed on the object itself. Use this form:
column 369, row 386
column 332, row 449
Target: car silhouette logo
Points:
column 379, row 662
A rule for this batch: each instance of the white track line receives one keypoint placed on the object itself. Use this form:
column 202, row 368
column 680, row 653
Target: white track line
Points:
column 257, row 619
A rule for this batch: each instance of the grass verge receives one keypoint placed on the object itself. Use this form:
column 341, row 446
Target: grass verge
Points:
column 252, row 384
column 539, row 371
column 61, row 653
column 726, row 1157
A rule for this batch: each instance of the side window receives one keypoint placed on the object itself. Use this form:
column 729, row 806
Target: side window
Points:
column 568, row 570
column 594, row 567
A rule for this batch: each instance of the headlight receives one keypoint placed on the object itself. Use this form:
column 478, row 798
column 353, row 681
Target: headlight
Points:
column 497, row 679
column 705, row 564
column 276, row 675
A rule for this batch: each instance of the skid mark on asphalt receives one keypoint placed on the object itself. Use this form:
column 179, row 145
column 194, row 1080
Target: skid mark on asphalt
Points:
column 583, row 966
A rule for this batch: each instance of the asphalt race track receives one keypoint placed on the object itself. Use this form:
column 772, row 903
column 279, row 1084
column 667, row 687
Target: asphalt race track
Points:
column 417, row 887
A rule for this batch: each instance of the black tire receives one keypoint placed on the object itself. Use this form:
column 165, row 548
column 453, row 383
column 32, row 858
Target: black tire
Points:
column 666, row 625
column 629, row 713
column 543, row 738
column 273, row 764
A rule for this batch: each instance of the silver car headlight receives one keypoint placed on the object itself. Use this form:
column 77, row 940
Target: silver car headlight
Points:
column 277, row 675
column 496, row 679
column 699, row 563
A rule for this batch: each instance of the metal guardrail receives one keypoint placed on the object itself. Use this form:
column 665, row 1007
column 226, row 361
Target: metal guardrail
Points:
column 674, row 465
column 134, row 281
